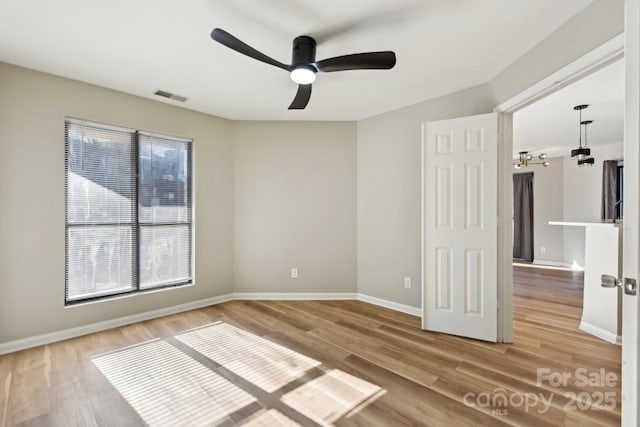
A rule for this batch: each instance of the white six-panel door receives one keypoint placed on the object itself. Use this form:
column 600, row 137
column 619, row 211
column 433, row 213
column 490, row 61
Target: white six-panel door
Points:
column 459, row 202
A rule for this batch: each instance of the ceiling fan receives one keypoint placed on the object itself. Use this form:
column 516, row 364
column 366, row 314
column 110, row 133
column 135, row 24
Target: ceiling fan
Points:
column 304, row 65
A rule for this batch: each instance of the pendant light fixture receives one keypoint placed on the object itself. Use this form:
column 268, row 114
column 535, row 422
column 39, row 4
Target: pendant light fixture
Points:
column 587, row 161
column 582, row 153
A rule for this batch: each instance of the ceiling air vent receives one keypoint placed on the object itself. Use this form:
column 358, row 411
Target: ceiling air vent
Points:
column 170, row 95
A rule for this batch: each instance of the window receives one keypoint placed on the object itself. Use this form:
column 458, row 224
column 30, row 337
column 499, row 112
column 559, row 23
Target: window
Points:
column 128, row 198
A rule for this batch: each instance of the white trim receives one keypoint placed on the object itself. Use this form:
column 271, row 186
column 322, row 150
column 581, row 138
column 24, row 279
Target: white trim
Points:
column 302, row 296
column 504, row 232
column 630, row 385
column 92, row 124
column 547, row 263
column 24, row 343
column 601, row 333
column 161, row 136
column 293, row 296
column 587, row 224
column 422, row 227
column 403, row 308
column 80, row 303
column 598, row 58
column 95, row 124
column 21, row 344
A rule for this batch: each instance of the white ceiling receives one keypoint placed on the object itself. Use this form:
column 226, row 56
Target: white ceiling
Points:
column 551, row 124
column 140, row 46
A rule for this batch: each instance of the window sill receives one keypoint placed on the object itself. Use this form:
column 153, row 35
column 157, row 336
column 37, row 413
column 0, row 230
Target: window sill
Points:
column 108, row 298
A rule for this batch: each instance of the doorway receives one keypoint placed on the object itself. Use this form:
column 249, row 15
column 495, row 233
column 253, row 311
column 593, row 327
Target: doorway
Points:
column 600, row 57
column 573, row 197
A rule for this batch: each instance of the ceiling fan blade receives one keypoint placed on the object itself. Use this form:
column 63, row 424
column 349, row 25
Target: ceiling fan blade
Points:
column 358, row 61
column 222, row 37
column 302, row 98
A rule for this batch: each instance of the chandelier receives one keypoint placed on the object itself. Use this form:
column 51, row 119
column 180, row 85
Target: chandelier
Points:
column 525, row 159
column 582, row 153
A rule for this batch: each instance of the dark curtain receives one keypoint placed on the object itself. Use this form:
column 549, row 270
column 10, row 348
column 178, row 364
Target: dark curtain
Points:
column 523, row 216
column 609, row 190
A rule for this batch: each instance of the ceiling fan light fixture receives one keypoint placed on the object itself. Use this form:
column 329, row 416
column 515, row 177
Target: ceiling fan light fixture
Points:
column 303, row 75
column 304, row 66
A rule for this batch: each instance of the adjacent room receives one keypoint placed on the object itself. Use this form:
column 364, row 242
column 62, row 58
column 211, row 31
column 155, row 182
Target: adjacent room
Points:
column 284, row 213
column 568, row 210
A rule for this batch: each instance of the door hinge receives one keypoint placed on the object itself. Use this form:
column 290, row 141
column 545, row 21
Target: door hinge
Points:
column 628, row 285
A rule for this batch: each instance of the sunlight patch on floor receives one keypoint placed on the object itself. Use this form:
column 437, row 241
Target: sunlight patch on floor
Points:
column 266, row 364
column 168, row 384
column 331, row 396
column 168, row 388
column 270, row 418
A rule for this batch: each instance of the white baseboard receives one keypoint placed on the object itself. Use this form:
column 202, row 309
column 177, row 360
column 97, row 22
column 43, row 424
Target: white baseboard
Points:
column 408, row 309
column 289, row 296
column 601, row 333
column 21, row 344
column 24, row 343
column 552, row 263
column 292, row 296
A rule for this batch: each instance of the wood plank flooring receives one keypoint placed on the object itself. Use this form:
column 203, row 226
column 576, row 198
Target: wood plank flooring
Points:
column 427, row 378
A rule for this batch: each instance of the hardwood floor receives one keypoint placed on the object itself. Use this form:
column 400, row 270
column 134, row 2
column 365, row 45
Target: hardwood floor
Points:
column 426, row 378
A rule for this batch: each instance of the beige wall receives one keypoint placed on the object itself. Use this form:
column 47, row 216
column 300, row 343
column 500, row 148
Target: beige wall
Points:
column 389, row 188
column 295, row 206
column 33, row 106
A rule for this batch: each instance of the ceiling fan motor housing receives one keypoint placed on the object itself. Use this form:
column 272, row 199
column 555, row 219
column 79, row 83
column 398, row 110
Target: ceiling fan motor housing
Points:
column 304, row 51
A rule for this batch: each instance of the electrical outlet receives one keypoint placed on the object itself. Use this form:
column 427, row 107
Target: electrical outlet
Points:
column 543, row 249
column 294, row 273
column 407, row 282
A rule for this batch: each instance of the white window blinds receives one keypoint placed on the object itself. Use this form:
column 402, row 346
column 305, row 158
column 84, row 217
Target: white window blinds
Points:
column 164, row 212
column 128, row 211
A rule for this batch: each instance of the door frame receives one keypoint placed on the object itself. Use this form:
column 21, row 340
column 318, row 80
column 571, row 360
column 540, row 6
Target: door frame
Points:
column 598, row 58
column 631, row 246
